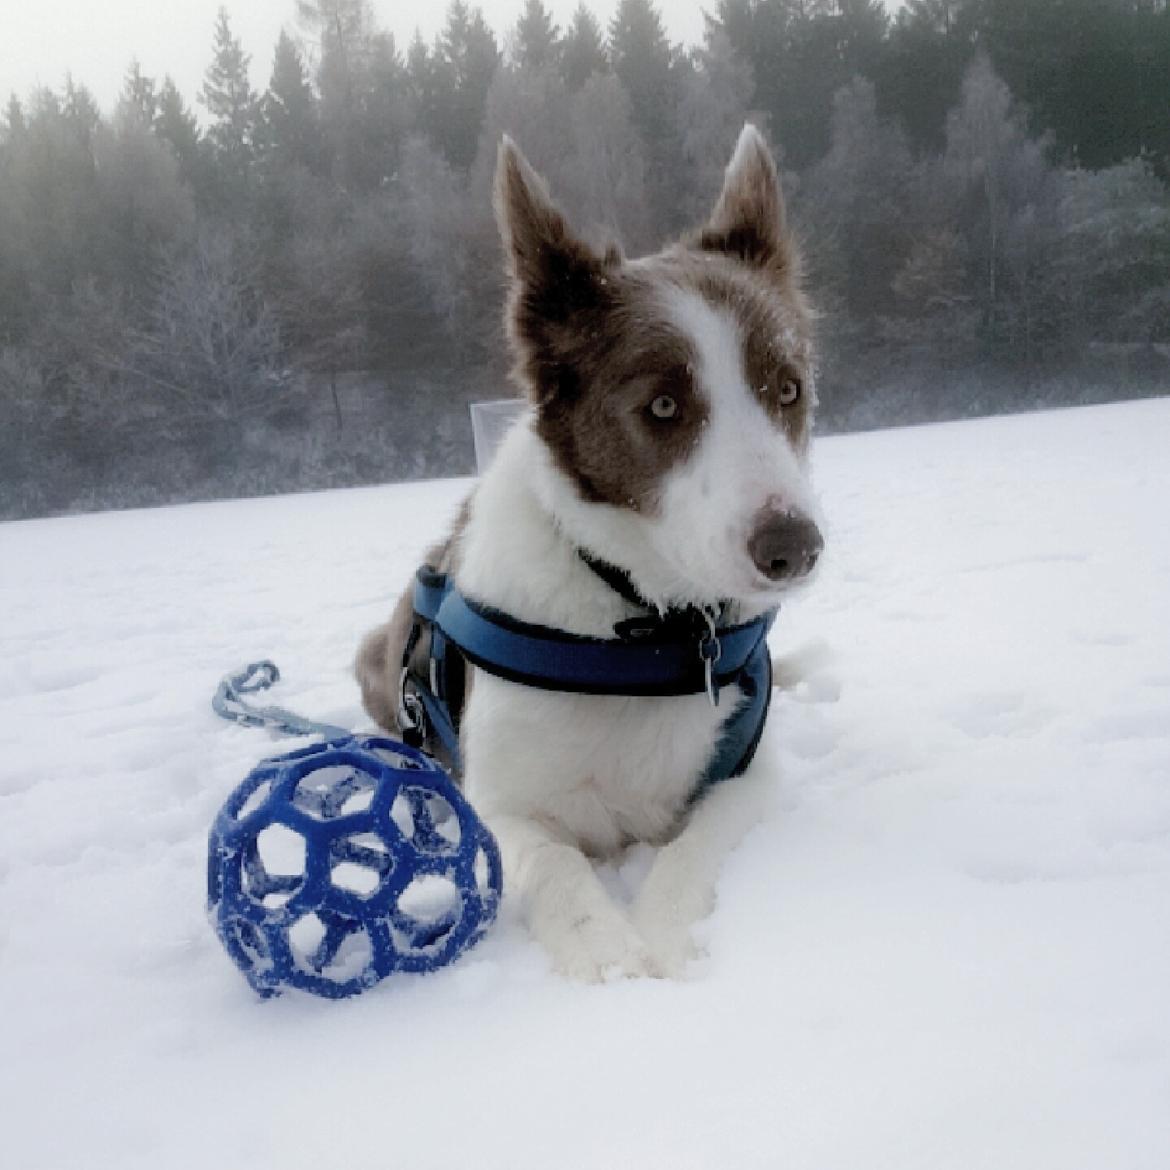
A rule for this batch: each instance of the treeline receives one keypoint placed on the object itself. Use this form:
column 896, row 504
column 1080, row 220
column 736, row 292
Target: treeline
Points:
column 301, row 287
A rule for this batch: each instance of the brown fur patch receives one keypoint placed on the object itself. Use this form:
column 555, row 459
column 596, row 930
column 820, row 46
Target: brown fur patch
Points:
column 593, row 345
column 599, row 423
column 379, row 657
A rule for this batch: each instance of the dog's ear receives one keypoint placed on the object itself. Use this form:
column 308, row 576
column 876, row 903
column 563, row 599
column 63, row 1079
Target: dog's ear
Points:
column 554, row 273
column 749, row 219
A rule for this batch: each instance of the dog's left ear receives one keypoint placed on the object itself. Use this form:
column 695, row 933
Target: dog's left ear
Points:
column 749, row 219
column 553, row 271
column 555, row 278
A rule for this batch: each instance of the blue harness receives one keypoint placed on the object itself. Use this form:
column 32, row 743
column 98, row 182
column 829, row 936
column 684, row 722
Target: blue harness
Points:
column 681, row 652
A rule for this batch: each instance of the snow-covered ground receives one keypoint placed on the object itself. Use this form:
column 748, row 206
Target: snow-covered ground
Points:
column 948, row 946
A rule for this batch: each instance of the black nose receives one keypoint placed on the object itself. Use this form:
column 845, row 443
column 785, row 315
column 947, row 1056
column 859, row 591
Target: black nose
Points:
column 784, row 545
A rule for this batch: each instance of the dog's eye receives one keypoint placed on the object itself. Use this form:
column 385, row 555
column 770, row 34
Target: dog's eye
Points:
column 789, row 391
column 664, row 407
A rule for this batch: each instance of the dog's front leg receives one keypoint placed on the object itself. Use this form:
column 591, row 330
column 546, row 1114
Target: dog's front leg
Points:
column 585, row 932
column 679, row 890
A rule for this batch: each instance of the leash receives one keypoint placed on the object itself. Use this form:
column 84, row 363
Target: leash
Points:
column 228, row 703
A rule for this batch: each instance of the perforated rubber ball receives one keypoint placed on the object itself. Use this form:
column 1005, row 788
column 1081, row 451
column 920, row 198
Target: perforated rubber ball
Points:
column 331, row 867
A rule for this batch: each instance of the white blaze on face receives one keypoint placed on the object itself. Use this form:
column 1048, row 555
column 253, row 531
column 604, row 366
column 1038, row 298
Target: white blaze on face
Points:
column 743, row 463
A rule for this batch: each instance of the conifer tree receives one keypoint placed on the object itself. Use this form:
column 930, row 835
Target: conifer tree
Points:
column 465, row 60
column 177, row 126
column 139, row 94
column 583, row 49
column 288, row 110
column 641, row 57
column 537, row 37
column 232, row 105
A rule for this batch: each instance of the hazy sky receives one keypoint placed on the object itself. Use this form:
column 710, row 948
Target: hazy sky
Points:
column 95, row 39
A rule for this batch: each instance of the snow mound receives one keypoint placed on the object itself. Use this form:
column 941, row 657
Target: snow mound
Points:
column 947, row 946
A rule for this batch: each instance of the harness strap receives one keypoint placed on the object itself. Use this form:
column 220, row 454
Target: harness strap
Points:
column 662, row 659
column 617, row 579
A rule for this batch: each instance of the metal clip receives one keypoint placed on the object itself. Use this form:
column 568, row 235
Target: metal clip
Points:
column 411, row 713
column 710, row 650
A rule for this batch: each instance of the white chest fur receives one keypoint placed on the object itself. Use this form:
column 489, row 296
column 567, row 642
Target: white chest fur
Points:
column 598, row 771
column 601, row 771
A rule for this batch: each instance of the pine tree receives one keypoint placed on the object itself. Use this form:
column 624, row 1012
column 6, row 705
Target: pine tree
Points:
column 537, row 39
column 641, row 57
column 178, row 127
column 465, row 60
column 232, row 104
column 288, row 110
column 364, row 95
column 14, row 122
column 139, row 95
column 80, row 112
column 421, row 84
column 644, row 63
column 582, row 49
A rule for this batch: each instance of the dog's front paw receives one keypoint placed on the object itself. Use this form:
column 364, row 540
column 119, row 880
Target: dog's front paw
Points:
column 596, row 947
column 665, row 914
column 671, row 945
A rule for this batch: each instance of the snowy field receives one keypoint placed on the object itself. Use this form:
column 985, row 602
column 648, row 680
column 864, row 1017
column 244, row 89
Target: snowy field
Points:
column 948, row 945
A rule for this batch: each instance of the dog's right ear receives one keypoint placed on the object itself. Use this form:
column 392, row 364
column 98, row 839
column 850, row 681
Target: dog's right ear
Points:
column 554, row 273
column 749, row 220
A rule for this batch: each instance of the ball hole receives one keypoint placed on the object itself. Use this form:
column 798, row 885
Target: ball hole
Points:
column 336, row 790
column 281, row 850
column 304, row 937
column 431, row 898
column 427, row 820
column 353, row 957
column 357, row 879
column 359, row 863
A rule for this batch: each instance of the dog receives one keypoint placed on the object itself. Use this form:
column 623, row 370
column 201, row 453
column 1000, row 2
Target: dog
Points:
column 667, row 430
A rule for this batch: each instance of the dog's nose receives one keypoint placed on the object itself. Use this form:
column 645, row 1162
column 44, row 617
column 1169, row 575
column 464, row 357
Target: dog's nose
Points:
column 784, row 545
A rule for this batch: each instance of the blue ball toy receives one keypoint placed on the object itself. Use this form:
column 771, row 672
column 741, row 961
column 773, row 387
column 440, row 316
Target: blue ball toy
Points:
column 332, row 866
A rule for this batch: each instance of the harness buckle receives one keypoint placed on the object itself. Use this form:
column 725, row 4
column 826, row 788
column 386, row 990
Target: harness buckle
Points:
column 411, row 712
column 710, row 651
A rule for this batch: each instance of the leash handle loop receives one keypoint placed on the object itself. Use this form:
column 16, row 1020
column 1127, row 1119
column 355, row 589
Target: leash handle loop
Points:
column 228, row 703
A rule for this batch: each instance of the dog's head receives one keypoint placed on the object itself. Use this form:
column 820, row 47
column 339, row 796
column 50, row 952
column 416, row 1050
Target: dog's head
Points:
column 674, row 392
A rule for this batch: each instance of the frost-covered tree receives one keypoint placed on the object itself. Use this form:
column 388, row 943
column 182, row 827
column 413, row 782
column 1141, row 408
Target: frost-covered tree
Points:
column 536, row 42
column 139, row 94
column 177, row 126
column 464, row 62
column 232, row 106
column 997, row 168
column 582, row 48
column 858, row 203
column 290, row 131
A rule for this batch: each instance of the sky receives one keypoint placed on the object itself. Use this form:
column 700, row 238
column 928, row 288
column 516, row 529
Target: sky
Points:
column 46, row 39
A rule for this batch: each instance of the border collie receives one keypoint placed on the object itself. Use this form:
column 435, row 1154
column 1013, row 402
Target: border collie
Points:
column 667, row 431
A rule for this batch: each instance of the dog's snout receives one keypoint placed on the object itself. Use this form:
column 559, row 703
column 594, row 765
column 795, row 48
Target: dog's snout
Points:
column 784, row 545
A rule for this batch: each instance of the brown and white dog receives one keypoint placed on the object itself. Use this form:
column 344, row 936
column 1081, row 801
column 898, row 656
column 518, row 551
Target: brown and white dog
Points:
column 670, row 405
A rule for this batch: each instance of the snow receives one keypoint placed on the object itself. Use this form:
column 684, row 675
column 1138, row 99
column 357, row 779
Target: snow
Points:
column 948, row 946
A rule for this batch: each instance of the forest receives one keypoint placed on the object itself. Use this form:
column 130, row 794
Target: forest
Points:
column 239, row 292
